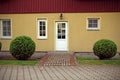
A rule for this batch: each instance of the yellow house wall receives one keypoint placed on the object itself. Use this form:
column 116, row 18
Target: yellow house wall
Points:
column 79, row 38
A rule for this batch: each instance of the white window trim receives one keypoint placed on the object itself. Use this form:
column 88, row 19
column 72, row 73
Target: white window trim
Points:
column 5, row 37
column 42, row 37
column 98, row 28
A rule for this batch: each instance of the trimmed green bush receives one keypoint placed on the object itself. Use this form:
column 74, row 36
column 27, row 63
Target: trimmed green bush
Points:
column 0, row 46
column 105, row 49
column 22, row 47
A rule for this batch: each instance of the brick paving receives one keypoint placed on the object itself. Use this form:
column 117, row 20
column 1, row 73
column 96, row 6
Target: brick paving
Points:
column 59, row 59
column 83, row 72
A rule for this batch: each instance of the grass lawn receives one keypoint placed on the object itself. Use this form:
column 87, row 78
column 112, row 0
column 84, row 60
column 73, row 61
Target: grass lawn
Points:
column 92, row 61
column 18, row 62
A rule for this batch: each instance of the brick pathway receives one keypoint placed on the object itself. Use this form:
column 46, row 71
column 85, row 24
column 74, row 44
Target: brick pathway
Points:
column 57, row 59
column 94, row 72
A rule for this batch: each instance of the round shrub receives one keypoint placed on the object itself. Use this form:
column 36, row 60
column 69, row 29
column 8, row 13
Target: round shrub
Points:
column 0, row 46
column 105, row 49
column 22, row 47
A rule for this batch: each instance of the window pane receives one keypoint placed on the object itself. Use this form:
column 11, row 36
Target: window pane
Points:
column 40, row 27
column 43, row 23
column 94, row 21
column 90, row 25
column 44, row 33
column 94, row 25
column 6, row 26
column 90, row 21
column 4, row 33
column 9, row 33
column 9, row 28
column 43, row 27
column 40, row 33
column 40, row 22
column 8, row 22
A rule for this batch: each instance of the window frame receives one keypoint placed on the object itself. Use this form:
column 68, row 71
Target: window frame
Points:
column 2, row 36
column 93, row 28
column 42, row 37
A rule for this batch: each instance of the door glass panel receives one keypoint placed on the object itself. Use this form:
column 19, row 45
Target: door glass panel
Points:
column 59, row 35
column 63, row 25
column 63, row 34
column 61, row 31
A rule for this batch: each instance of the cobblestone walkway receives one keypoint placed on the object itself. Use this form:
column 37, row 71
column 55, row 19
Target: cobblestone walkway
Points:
column 94, row 72
column 58, row 60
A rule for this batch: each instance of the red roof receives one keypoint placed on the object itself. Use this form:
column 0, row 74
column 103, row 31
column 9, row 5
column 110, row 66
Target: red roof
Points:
column 58, row 6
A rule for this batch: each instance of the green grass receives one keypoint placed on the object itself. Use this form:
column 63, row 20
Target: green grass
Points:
column 18, row 62
column 92, row 61
column 84, row 58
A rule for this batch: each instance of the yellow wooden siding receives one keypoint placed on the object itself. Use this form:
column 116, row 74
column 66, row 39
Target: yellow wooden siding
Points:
column 79, row 38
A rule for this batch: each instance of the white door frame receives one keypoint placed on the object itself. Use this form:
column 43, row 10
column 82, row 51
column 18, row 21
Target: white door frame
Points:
column 63, row 45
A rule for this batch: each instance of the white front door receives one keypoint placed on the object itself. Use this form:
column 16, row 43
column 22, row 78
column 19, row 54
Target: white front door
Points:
column 61, row 36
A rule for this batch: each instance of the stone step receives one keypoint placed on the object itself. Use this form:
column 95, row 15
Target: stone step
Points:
column 60, row 52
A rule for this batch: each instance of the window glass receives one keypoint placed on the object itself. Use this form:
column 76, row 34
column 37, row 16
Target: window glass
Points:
column 93, row 23
column 6, row 28
column 61, row 31
column 42, row 31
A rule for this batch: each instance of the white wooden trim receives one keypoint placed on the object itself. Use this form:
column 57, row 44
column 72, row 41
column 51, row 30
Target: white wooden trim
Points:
column 42, row 37
column 94, row 29
column 6, row 37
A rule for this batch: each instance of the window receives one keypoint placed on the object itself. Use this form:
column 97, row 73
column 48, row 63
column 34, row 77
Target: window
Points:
column 93, row 24
column 42, row 29
column 61, row 30
column 6, row 28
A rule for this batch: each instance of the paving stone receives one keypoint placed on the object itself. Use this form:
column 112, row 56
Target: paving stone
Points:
column 49, row 71
column 57, row 73
column 20, row 74
column 58, row 59
column 14, row 73
column 67, row 77
column 46, row 74
column 3, row 70
column 8, row 73
column 83, row 72
column 33, row 74
column 38, row 73
column 26, row 73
